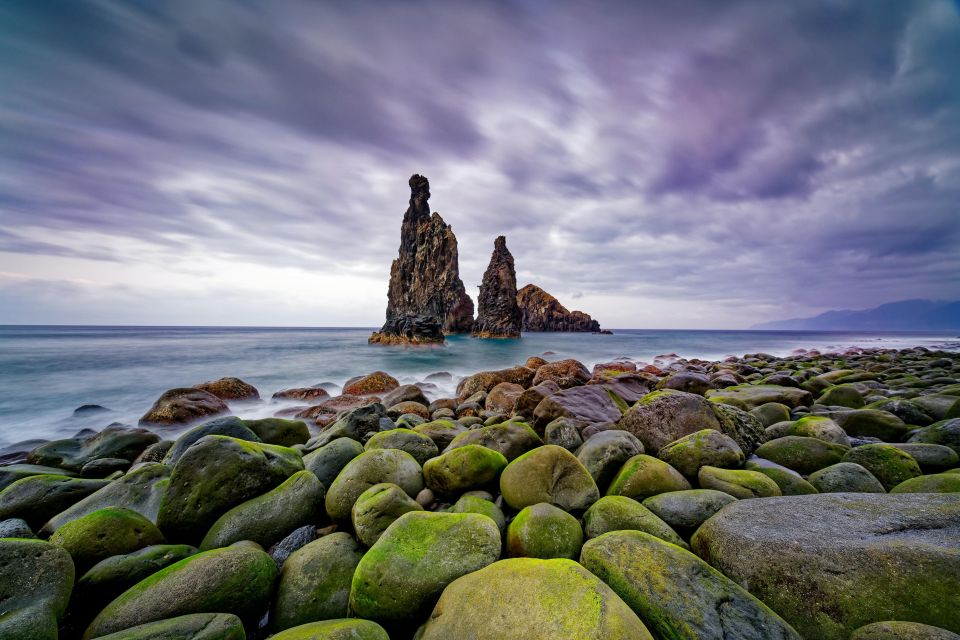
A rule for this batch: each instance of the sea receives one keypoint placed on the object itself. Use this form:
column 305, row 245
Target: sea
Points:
column 46, row 372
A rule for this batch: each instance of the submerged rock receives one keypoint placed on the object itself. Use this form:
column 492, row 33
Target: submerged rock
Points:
column 426, row 298
column 498, row 314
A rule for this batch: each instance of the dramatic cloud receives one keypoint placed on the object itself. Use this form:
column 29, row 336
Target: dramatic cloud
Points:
column 680, row 164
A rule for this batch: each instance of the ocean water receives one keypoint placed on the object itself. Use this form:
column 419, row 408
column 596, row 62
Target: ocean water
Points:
column 48, row 371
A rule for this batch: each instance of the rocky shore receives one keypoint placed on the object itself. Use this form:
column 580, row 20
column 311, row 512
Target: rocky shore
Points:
column 813, row 496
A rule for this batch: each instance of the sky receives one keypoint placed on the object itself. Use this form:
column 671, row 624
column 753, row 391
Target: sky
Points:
column 656, row 164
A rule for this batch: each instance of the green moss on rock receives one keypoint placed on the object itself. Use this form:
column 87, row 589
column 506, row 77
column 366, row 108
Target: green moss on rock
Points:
column 370, row 468
column 643, row 476
column 619, row 513
column 888, row 464
column 418, row 445
column 548, row 474
column 544, row 531
column 739, row 483
column 195, row 626
column 802, row 454
column 463, row 469
column 108, row 532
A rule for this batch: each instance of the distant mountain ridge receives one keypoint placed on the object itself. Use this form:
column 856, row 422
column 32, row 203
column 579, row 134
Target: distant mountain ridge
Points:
column 905, row 315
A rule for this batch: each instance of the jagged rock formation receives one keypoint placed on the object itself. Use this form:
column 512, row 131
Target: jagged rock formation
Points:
column 426, row 298
column 542, row 312
column 498, row 315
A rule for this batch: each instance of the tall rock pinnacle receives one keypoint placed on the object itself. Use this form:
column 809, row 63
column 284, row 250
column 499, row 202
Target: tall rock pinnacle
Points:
column 426, row 298
column 499, row 314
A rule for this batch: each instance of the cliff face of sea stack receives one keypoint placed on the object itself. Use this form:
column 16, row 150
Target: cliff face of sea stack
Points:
column 498, row 314
column 426, row 298
column 542, row 312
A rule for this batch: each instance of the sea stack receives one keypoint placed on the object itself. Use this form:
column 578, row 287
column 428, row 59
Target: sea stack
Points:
column 426, row 298
column 498, row 314
column 542, row 312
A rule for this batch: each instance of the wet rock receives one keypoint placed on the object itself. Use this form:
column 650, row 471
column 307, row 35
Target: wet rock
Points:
column 643, row 476
column 845, row 477
column 442, row 431
column 73, row 453
column 419, row 446
column 278, row 431
column 902, row 631
column 377, row 382
column 841, row 395
column 564, row 432
column 306, row 394
column 36, row 499
column 845, row 557
column 821, row 428
column 416, row 557
column 370, row 468
column 688, row 381
column 932, row 458
column 229, row 426
column 463, row 469
column 377, row 508
column 542, row 312
column 237, row 580
column 933, row 483
column 945, row 432
column 739, row 483
column 230, row 389
column 871, row 423
column 15, row 528
column 803, row 455
column 469, row 503
column 487, row 380
column 565, row 373
column 195, row 626
column 498, row 314
column 297, row 539
column 706, row 447
column 405, row 393
column 678, row 594
column 35, row 587
column 548, row 474
column 268, row 518
column 745, row 429
column 107, row 532
column 528, row 400
column 183, row 406
column 661, row 417
column 888, row 464
column 591, row 404
column 543, row 531
column 341, row 629
column 503, row 397
column 603, row 453
column 315, row 582
column 327, row 461
column 686, row 510
column 426, row 297
column 750, row 396
column 619, row 513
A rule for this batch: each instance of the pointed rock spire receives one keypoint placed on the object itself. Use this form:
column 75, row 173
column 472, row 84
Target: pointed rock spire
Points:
column 426, row 298
column 499, row 314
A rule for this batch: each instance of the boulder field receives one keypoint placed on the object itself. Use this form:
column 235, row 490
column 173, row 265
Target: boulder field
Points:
column 808, row 497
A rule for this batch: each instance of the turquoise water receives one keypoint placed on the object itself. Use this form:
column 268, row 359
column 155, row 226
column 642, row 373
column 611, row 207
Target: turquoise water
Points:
column 46, row 372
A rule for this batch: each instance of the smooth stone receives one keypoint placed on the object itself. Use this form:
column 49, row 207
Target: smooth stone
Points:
column 183, row 406
column 442, row 431
column 802, row 454
column 36, row 499
column 229, row 426
column 195, row 626
column 543, row 531
column 860, row 553
column 819, row 427
column 945, row 432
column 463, row 469
column 619, row 513
column 416, row 558
column 932, row 458
column 512, row 438
column 73, row 453
column 377, row 508
column 643, row 476
column 531, row 598
column 661, row 417
column 548, row 474
column 841, row 395
column 888, row 464
column 871, row 423
column 419, row 446
column 108, row 532
column 743, row 427
column 329, row 460
column 474, row 504
column 237, row 579
column 340, row 629
column 893, row 630
column 676, row 593
column 591, row 404
column 268, row 518
column 771, row 413
column 278, row 431
column 358, row 424
column 845, row 477
column 370, row 468
column 35, row 586
column 739, row 483
column 790, row 482
column 13, row 472
column 751, row 396
column 315, row 582
column 707, row 447
column 603, row 453
column 564, row 432
column 933, row 483
column 684, row 511
column 15, row 528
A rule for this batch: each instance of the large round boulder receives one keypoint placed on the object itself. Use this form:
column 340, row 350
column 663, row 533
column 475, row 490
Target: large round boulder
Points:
column 661, row 417
column 35, row 586
column 566, row 373
column 377, row 508
column 845, row 477
column 701, row 448
column 543, row 531
column 686, row 510
column 370, row 468
column 419, row 446
column 592, row 404
column 888, row 464
column 548, row 474
column 183, row 406
column 642, row 476
column 108, row 532
column 463, row 469
column 802, row 454
column 603, row 453
column 36, row 499
column 512, row 438
column 230, row 389
column 740, row 483
column 194, row 626
column 619, row 513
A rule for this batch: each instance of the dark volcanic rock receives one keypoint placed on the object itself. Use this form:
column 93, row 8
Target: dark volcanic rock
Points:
column 499, row 314
column 426, row 298
column 542, row 312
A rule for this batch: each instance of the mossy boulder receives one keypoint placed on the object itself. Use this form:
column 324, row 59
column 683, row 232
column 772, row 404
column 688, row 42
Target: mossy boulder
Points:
column 340, row 629
column 474, row 504
column 110, row 577
column 532, row 598
column 268, row 518
column 564, row 432
column 932, row 458
column 619, row 513
column 216, row 474
column 592, row 404
column 237, row 579
column 442, row 431
column 195, row 626
column 706, row 447
column 419, row 446
column 643, row 476
column 676, row 593
column 684, row 511
column 933, row 483
column 771, row 413
column 888, row 464
column 315, row 582
column 279, row 431
column 790, row 482
column 377, row 508
column 548, row 474
column 940, row 406
column 370, row 468
column 945, row 432
column 400, row 577
column 819, row 427
column 841, row 395
column 871, row 423
column 35, row 586
column 739, row 483
column 543, row 531
column 603, row 453
column 108, row 532
column 897, row 630
column 512, row 438
column 845, row 477
column 36, row 499
column 231, row 426
column 829, row 563
column 230, row 389
column 13, row 472
column 329, row 460
column 463, row 469
column 751, row 396
column 358, row 423
column 743, row 427
column 802, row 454
column 661, row 417
column 408, row 408
column 74, row 453
column 905, row 409
column 140, row 490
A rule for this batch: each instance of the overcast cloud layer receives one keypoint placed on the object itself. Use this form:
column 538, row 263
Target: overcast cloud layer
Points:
column 657, row 164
